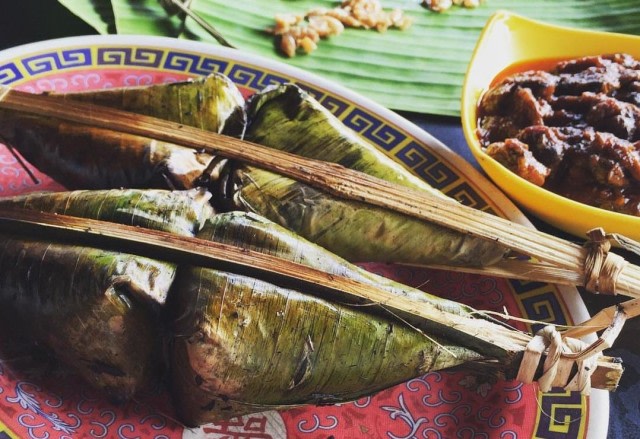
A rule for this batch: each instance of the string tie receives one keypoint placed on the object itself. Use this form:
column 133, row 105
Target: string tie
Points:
column 602, row 267
column 569, row 362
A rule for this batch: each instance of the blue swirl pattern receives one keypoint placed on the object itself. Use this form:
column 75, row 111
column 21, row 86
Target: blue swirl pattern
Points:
column 65, row 59
column 561, row 415
column 10, row 73
column 127, row 56
column 373, row 129
column 193, row 63
column 28, row 401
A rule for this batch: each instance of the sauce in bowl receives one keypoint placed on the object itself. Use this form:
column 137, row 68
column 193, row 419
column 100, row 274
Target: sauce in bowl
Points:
column 572, row 127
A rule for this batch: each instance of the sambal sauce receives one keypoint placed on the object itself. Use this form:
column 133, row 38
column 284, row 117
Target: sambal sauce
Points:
column 573, row 129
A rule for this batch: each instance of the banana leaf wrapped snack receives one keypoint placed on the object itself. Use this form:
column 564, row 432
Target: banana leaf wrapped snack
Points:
column 211, row 103
column 239, row 343
column 97, row 310
column 287, row 118
column 84, row 158
column 284, row 117
column 217, row 317
column 244, row 344
column 99, row 323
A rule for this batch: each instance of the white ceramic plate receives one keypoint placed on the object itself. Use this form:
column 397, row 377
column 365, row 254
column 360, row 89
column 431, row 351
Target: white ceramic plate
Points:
column 439, row 404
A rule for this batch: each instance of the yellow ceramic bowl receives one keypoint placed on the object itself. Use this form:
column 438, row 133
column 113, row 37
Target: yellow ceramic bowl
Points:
column 509, row 39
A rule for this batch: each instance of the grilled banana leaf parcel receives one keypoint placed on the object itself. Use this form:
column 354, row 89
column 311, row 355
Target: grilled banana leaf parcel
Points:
column 284, row 117
column 211, row 103
column 97, row 310
column 81, row 157
column 355, row 230
column 244, row 344
column 287, row 118
column 179, row 212
column 254, row 232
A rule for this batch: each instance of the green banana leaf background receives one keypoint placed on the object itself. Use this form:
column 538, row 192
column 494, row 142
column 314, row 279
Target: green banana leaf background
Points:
column 420, row 69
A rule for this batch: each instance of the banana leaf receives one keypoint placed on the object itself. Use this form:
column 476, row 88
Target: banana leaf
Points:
column 96, row 13
column 254, row 232
column 356, row 231
column 98, row 311
column 287, row 118
column 179, row 212
column 211, row 103
column 420, row 69
column 244, row 345
column 80, row 157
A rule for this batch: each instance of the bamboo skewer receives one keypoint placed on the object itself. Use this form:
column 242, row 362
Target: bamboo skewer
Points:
column 538, row 271
column 196, row 251
column 602, row 319
column 332, row 178
column 522, row 270
column 172, row 6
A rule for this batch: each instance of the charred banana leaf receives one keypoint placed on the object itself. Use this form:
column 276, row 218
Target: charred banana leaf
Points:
column 97, row 311
column 253, row 232
column 244, row 345
column 211, row 103
column 256, row 233
column 81, row 157
column 353, row 230
column 179, row 212
column 286, row 117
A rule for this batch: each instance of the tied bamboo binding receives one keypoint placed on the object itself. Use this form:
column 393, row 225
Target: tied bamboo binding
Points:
column 569, row 362
column 601, row 267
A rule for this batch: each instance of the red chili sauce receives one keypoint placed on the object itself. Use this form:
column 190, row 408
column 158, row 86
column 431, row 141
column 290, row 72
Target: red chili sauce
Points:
column 572, row 127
